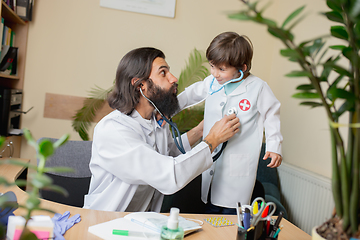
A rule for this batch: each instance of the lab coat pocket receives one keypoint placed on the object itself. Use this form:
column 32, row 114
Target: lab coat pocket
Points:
column 239, row 165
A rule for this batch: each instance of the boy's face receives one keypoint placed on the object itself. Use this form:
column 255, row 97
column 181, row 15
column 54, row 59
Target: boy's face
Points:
column 224, row 73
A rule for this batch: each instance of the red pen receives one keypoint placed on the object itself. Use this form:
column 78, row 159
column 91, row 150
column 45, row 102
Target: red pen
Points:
column 265, row 212
column 268, row 225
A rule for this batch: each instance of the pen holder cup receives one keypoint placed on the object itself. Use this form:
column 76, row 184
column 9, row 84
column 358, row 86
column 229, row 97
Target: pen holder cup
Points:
column 257, row 233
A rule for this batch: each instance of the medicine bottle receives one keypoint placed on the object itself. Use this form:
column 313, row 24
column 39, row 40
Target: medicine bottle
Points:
column 172, row 231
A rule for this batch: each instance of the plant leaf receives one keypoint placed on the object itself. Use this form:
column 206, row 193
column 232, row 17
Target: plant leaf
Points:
column 311, row 104
column 292, row 16
column 339, row 32
column 305, row 87
column 298, row 74
column 334, row 16
column 306, row 95
column 193, row 71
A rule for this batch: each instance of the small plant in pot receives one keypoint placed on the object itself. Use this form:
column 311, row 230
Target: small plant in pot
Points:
column 36, row 180
column 335, row 88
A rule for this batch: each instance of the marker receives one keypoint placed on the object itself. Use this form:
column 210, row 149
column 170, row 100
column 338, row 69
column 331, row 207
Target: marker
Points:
column 239, row 214
column 267, row 225
column 247, row 218
column 277, row 223
column 133, row 233
column 277, row 232
column 256, row 208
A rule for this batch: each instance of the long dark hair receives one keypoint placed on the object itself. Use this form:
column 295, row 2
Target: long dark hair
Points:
column 135, row 64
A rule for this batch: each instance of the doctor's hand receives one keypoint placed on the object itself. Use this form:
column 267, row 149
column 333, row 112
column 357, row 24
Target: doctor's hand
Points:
column 276, row 159
column 222, row 131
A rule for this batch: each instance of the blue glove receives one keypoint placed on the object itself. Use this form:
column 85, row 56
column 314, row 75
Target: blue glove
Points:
column 9, row 197
column 62, row 223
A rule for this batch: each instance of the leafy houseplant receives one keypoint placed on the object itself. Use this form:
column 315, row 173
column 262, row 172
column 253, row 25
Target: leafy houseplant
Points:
column 331, row 86
column 185, row 120
column 36, row 180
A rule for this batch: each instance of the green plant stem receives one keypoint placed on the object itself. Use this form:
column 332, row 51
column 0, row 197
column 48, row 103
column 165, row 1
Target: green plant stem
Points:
column 336, row 186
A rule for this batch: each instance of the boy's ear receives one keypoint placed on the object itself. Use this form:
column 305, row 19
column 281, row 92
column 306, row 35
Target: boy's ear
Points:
column 244, row 68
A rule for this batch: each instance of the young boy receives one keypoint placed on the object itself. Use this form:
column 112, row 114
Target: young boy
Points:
column 232, row 89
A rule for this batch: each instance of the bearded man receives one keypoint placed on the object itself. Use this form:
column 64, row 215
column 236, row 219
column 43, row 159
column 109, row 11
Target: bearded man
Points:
column 134, row 159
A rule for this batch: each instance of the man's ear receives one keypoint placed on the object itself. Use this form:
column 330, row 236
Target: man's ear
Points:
column 134, row 80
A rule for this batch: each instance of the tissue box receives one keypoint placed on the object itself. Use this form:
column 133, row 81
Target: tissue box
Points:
column 41, row 226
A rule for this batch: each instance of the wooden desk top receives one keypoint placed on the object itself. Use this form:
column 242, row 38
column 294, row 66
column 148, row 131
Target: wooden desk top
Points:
column 93, row 217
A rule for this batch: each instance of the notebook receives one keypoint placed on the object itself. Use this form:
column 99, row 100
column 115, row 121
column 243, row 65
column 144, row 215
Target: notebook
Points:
column 145, row 222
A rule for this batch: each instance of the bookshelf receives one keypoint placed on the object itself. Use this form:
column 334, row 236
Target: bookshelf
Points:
column 20, row 27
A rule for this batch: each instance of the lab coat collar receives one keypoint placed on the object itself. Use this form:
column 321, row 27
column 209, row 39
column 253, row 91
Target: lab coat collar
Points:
column 243, row 86
column 147, row 129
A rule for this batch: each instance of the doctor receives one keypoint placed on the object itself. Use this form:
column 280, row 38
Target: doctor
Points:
column 134, row 160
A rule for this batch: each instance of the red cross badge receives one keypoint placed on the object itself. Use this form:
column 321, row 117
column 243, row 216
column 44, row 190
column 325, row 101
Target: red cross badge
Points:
column 244, row 105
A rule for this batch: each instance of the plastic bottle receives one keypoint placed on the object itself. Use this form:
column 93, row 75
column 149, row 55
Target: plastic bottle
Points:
column 172, row 231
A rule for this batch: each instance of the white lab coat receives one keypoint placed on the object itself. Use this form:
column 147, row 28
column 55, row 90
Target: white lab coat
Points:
column 232, row 176
column 124, row 157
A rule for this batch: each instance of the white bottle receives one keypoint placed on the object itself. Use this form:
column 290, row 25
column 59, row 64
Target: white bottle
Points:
column 172, row 231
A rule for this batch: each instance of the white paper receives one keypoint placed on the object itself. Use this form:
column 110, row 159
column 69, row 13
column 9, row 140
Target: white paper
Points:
column 164, row 8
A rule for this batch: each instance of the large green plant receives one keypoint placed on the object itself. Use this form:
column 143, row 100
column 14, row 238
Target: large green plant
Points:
column 332, row 86
column 187, row 119
column 37, row 179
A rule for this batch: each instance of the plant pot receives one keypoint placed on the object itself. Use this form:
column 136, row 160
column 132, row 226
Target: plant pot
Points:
column 315, row 235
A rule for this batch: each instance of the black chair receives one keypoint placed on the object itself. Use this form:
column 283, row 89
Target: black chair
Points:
column 76, row 155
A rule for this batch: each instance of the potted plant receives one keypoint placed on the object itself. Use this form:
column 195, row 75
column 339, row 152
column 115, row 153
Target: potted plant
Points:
column 333, row 87
column 36, row 180
column 193, row 72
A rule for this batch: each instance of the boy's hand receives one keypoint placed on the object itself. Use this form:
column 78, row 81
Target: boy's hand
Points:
column 159, row 119
column 276, row 159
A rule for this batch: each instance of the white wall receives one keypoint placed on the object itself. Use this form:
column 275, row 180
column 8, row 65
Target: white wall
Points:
column 75, row 45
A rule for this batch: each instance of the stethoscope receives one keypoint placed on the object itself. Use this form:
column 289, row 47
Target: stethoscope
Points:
column 174, row 129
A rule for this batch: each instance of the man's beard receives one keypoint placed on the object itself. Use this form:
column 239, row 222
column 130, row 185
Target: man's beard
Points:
column 165, row 101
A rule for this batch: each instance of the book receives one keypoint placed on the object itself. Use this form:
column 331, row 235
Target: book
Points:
column 24, row 9
column 8, row 60
column 145, row 222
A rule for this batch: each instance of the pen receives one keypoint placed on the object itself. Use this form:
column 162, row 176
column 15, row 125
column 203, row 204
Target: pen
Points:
column 267, row 225
column 239, row 214
column 247, row 218
column 277, row 232
column 277, row 223
column 133, row 233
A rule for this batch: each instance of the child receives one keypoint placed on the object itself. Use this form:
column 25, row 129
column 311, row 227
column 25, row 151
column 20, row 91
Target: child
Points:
column 231, row 88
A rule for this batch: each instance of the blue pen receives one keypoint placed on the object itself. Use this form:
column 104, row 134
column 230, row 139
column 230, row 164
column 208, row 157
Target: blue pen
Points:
column 247, row 219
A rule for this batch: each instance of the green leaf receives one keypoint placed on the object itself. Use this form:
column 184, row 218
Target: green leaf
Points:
column 242, row 16
column 355, row 9
column 306, row 95
column 30, row 140
column 2, row 140
column 312, row 104
column 46, row 148
column 337, row 47
column 58, row 169
column 32, row 202
column 41, row 181
column 334, row 5
column 305, row 87
column 333, row 93
column 290, row 53
column 292, row 16
column 193, row 71
column 334, row 16
column 339, row 32
column 61, row 141
column 298, row 74
column 345, row 107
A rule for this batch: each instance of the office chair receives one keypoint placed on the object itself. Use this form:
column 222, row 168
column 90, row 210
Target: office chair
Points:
column 76, row 155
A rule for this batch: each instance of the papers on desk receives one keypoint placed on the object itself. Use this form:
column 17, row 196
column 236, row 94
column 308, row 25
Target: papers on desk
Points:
column 145, row 222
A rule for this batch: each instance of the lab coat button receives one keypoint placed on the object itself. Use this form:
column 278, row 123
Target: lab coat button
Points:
column 211, row 172
column 222, row 104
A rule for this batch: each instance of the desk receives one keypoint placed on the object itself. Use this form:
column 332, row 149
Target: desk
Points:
column 92, row 217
